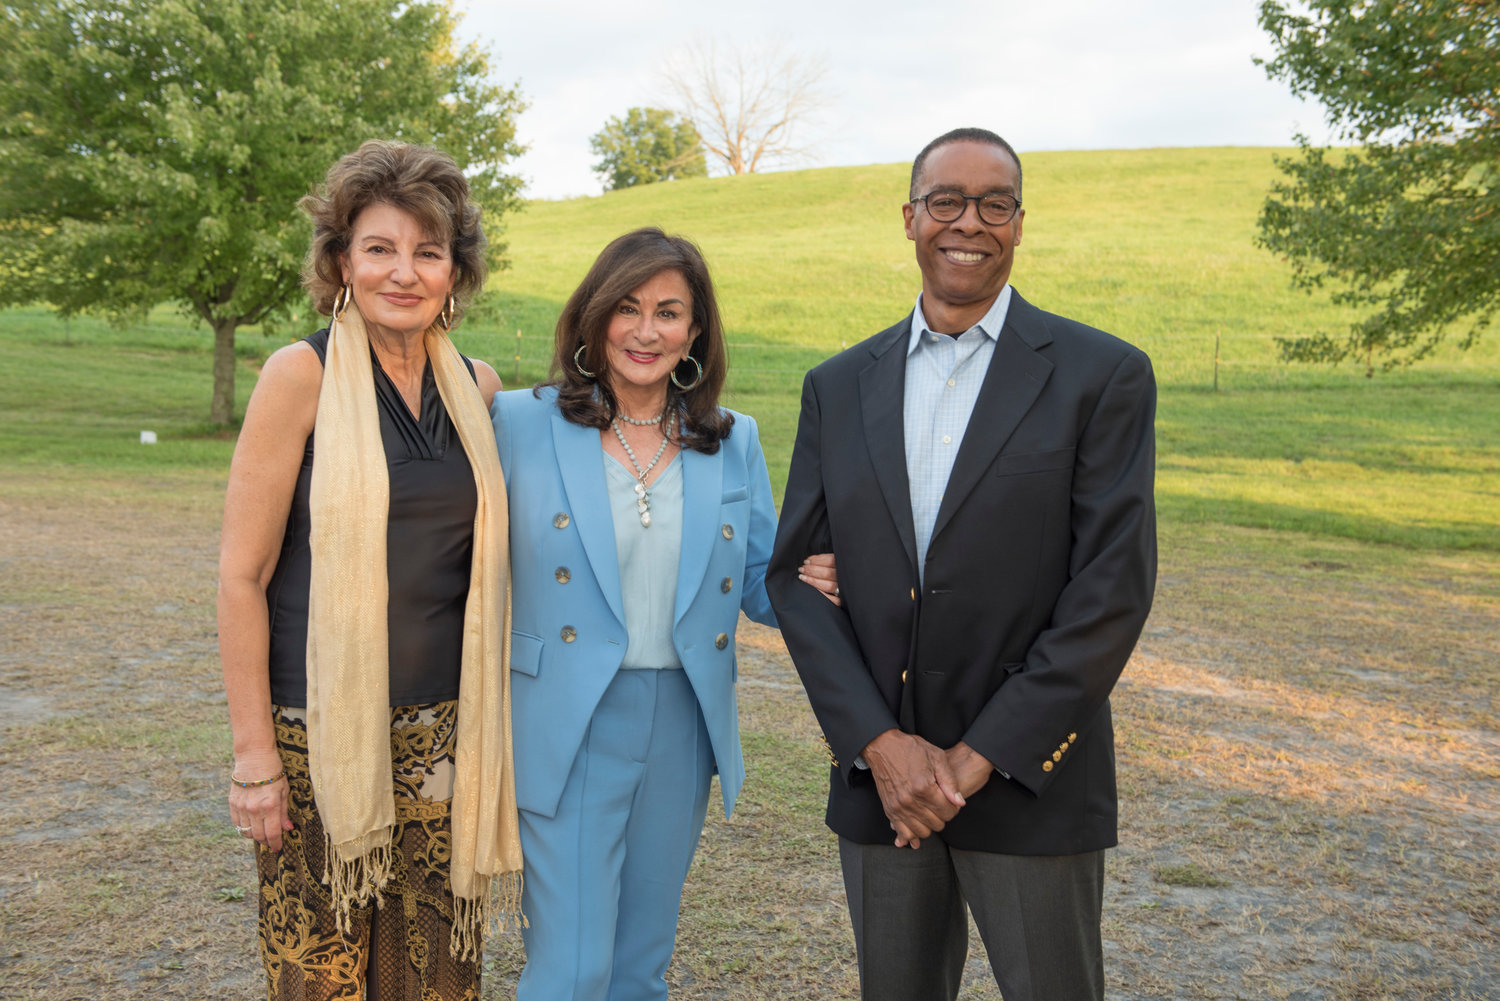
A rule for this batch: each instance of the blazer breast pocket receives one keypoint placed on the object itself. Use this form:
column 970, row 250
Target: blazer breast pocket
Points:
column 739, row 493
column 1025, row 463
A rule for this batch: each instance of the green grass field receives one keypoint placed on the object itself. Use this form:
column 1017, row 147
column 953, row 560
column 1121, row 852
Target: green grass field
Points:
column 1153, row 245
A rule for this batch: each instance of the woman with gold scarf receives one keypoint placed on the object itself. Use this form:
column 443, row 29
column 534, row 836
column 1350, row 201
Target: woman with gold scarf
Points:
column 364, row 606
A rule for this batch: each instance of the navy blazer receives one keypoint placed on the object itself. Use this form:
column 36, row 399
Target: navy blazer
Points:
column 568, row 625
column 1038, row 580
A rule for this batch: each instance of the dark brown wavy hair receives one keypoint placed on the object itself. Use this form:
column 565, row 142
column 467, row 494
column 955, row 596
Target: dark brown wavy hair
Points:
column 626, row 264
column 421, row 181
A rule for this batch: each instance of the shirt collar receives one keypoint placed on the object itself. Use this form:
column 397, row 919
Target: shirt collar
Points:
column 990, row 324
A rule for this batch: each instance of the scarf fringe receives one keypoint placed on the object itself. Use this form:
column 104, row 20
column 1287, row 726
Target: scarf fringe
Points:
column 356, row 873
column 486, row 914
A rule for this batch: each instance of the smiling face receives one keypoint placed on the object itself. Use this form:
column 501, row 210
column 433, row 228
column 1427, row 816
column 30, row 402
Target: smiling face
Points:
column 401, row 275
column 649, row 333
column 965, row 263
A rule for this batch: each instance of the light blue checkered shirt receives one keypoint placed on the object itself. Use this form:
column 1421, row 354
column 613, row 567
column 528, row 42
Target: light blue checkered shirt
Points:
column 943, row 377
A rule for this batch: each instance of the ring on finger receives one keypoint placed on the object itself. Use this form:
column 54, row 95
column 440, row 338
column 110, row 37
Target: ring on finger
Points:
column 242, row 830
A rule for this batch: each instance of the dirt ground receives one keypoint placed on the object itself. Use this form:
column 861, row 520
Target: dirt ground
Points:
column 1308, row 754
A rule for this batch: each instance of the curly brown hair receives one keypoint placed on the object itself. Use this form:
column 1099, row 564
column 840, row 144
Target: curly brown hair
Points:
column 419, row 180
column 626, row 264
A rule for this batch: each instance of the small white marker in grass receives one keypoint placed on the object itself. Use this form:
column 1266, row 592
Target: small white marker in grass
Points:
column 148, row 437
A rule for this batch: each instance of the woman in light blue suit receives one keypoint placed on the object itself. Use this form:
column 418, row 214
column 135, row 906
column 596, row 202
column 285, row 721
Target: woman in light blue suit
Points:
column 641, row 524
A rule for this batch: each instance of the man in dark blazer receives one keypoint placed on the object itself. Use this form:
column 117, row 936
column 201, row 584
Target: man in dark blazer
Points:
column 983, row 472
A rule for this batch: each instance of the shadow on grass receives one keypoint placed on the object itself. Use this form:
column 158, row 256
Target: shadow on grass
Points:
column 1186, row 509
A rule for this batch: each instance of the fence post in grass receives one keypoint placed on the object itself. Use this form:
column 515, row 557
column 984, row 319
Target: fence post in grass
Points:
column 517, row 381
column 1216, row 361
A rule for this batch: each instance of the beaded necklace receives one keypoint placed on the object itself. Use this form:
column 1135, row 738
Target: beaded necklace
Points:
column 642, row 495
column 642, row 423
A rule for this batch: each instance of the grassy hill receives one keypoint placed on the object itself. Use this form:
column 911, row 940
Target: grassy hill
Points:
column 1155, row 246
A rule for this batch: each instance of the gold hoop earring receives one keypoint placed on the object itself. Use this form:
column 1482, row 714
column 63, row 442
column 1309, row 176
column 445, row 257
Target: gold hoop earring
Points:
column 694, row 384
column 342, row 300
column 445, row 318
column 578, row 362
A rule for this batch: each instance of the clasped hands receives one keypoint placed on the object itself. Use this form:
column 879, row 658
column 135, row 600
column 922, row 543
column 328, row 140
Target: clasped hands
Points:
column 922, row 786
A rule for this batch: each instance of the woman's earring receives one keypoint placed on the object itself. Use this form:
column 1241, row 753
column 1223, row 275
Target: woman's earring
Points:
column 694, row 384
column 578, row 362
column 342, row 300
column 445, row 318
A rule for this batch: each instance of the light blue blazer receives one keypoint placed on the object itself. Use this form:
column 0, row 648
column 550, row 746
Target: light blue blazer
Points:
column 568, row 625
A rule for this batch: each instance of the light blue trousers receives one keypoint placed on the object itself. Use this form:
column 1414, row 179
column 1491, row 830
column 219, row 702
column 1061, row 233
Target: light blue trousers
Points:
column 604, row 876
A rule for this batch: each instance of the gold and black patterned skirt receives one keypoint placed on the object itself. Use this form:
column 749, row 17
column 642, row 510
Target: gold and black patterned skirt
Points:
column 397, row 950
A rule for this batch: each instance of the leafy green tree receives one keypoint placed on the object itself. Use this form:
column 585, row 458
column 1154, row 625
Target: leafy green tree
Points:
column 153, row 151
column 1407, row 223
column 646, row 146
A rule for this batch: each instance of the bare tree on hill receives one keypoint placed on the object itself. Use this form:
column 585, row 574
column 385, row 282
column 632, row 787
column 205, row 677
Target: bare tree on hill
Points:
column 752, row 105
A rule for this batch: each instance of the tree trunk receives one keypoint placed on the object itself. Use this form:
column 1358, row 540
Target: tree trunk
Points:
column 221, row 411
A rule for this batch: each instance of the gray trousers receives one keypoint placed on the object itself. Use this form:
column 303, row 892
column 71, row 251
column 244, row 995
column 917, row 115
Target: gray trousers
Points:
column 1037, row 914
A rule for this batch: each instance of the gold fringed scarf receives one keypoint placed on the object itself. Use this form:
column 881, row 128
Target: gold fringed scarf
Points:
column 348, row 683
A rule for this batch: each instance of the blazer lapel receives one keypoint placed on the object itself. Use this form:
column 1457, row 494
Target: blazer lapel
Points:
column 882, row 387
column 580, row 460
column 1015, row 379
column 702, row 499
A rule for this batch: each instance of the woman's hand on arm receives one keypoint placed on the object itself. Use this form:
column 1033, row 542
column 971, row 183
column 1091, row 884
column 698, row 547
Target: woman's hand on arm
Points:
column 262, row 478
column 819, row 571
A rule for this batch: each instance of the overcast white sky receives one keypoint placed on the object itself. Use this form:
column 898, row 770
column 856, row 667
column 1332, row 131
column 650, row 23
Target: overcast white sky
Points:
column 1066, row 74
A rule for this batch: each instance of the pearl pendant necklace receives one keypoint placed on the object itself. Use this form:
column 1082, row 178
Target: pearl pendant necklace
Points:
column 642, row 495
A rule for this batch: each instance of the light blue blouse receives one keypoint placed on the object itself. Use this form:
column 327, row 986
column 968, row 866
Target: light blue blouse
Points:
column 648, row 562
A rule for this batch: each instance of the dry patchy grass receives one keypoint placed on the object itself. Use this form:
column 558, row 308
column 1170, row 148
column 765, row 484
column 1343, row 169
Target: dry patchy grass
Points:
column 1307, row 741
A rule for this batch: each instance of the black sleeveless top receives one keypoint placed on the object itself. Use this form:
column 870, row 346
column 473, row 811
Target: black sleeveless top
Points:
column 429, row 541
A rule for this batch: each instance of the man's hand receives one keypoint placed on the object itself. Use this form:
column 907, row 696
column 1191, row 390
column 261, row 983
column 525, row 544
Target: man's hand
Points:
column 918, row 788
column 971, row 770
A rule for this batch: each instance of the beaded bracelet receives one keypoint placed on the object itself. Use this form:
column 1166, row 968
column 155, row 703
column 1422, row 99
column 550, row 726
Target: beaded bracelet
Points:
column 263, row 782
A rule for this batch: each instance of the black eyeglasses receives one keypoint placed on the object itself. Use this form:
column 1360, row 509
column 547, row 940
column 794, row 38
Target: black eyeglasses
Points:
column 948, row 206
